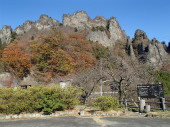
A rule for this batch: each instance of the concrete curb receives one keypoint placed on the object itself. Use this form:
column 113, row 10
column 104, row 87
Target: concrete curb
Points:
column 106, row 114
column 75, row 113
column 34, row 115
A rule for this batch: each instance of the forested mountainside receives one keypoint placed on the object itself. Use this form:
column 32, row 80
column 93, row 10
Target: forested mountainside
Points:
column 82, row 50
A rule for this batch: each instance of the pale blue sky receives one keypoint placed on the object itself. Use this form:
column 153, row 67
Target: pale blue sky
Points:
column 151, row 16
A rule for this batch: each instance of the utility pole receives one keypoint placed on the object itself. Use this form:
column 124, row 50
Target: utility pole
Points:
column 101, row 82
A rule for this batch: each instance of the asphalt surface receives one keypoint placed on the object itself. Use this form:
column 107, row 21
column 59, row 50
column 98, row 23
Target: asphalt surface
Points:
column 87, row 122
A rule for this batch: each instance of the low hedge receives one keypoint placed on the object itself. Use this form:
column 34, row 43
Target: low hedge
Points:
column 106, row 103
column 38, row 99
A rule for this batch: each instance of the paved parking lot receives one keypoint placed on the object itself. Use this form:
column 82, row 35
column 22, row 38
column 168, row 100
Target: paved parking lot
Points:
column 87, row 122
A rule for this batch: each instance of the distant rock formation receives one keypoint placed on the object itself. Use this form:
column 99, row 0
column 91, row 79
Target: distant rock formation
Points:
column 130, row 49
column 43, row 23
column 109, row 34
column 5, row 34
column 140, row 41
column 157, row 54
column 79, row 20
column 24, row 28
column 115, row 31
column 31, row 28
column 106, row 32
column 82, row 21
column 153, row 52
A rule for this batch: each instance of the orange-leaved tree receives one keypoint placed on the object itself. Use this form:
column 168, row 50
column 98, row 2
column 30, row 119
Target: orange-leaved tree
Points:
column 61, row 54
column 49, row 56
column 16, row 61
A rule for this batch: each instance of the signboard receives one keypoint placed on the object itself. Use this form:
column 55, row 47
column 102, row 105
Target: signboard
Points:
column 150, row 91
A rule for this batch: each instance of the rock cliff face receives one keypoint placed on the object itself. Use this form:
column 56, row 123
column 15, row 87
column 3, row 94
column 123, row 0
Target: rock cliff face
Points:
column 24, row 28
column 130, row 49
column 115, row 31
column 153, row 52
column 99, row 21
column 99, row 36
column 108, row 37
column 43, row 23
column 82, row 21
column 5, row 34
column 99, row 28
column 157, row 54
column 140, row 41
column 108, row 33
column 79, row 20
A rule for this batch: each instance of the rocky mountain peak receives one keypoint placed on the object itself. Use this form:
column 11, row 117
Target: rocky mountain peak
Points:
column 99, row 21
column 79, row 20
column 157, row 54
column 153, row 52
column 81, row 14
column 43, row 17
column 106, row 32
column 115, row 30
column 46, row 22
column 43, row 23
column 154, row 40
column 139, row 34
column 5, row 34
column 140, row 41
column 28, row 22
column 113, row 20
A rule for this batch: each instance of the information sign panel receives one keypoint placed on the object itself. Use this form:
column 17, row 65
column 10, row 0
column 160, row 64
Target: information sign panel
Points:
column 150, row 91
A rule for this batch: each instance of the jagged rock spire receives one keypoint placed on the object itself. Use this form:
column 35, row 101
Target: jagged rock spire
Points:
column 5, row 34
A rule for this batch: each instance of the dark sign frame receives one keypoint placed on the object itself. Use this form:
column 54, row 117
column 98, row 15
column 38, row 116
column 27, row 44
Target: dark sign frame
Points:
column 150, row 91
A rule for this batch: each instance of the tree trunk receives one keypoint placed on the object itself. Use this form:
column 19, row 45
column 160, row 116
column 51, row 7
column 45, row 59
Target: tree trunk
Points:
column 120, row 94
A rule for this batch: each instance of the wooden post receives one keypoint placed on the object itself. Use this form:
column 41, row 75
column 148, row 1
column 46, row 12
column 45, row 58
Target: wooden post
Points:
column 125, row 103
column 163, row 104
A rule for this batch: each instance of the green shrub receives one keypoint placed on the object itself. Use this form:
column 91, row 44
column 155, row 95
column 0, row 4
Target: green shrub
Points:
column 37, row 99
column 99, row 28
column 2, row 45
column 13, row 36
column 164, row 78
column 106, row 103
column 99, row 52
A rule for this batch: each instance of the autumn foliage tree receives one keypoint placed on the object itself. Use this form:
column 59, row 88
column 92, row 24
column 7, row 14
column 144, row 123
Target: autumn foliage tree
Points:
column 16, row 61
column 61, row 54
column 49, row 55
column 82, row 51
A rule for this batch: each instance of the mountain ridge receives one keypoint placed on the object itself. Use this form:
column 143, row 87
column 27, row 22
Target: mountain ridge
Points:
column 104, row 31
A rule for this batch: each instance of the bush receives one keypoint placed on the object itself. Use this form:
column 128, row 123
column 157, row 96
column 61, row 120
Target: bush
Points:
column 37, row 99
column 164, row 78
column 2, row 45
column 99, row 28
column 106, row 103
column 99, row 51
column 13, row 36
